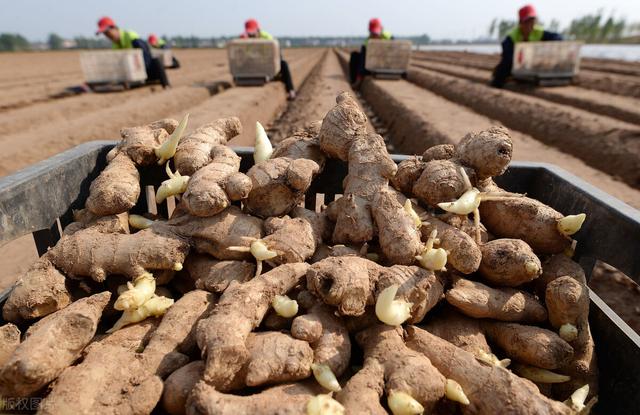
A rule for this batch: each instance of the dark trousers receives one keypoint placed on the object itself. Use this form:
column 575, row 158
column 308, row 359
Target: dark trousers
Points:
column 156, row 72
column 356, row 64
column 501, row 73
column 285, row 75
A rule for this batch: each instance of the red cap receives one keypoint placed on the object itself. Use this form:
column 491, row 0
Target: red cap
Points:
column 527, row 12
column 105, row 23
column 251, row 26
column 375, row 26
column 153, row 39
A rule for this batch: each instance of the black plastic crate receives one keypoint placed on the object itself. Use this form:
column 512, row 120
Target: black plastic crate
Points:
column 40, row 199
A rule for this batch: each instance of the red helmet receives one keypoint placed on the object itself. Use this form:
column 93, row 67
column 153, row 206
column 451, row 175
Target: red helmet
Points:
column 251, row 26
column 104, row 24
column 153, row 39
column 375, row 26
column 527, row 12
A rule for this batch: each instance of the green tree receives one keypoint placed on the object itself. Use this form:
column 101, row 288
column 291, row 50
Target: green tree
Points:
column 91, row 43
column 500, row 28
column 595, row 28
column 55, row 41
column 13, row 42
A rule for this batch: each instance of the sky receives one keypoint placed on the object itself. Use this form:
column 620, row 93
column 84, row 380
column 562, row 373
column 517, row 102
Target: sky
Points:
column 453, row 19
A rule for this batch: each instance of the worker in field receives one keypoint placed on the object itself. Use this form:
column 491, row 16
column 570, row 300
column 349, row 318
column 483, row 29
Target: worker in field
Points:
column 527, row 30
column 128, row 39
column 357, row 61
column 252, row 30
column 159, row 43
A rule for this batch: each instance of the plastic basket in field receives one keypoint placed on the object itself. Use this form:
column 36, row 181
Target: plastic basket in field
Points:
column 113, row 66
column 546, row 59
column 388, row 56
column 254, row 59
column 165, row 56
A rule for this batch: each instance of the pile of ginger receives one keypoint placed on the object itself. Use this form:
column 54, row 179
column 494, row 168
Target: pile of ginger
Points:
column 423, row 288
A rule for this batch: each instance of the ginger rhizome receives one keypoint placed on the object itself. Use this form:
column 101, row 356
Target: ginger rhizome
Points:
column 51, row 345
column 223, row 335
column 117, row 188
column 214, row 168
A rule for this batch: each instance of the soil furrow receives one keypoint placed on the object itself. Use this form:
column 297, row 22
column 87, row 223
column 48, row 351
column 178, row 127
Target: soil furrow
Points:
column 251, row 104
column 606, row 144
column 316, row 97
column 597, row 80
column 616, row 106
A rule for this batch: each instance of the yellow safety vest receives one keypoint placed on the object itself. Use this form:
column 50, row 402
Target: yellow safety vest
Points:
column 265, row 35
column 126, row 39
column 535, row 36
column 385, row 35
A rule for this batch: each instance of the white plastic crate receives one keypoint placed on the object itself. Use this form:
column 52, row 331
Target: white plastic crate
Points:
column 254, row 58
column 388, row 56
column 113, row 66
column 165, row 55
column 554, row 59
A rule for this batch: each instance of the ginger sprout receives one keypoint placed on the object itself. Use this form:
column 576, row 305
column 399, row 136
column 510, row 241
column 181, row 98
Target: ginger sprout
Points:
column 168, row 149
column 408, row 207
column 453, row 391
column 431, row 258
column 391, row 311
column 176, row 184
column 137, row 293
column 538, row 375
column 470, row 201
column 325, row 377
column 285, row 306
column 492, row 359
column 153, row 307
column 263, row 148
column 577, row 401
column 324, row 404
column 402, row 403
column 571, row 224
column 568, row 332
column 259, row 250
column 139, row 222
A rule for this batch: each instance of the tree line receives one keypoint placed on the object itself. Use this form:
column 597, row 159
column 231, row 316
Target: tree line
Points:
column 591, row 28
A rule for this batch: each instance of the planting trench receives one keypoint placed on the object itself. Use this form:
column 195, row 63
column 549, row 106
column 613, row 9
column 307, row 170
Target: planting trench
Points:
column 609, row 145
column 110, row 112
column 315, row 98
column 251, row 104
column 604, row 81
column 616, row 106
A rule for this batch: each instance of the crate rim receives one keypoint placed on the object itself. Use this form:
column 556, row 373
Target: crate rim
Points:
column 50, row 163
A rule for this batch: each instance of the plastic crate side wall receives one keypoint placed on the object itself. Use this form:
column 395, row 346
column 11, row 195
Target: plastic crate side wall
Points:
column 113, row 66
column 385, row 55
column 254, row 58
column 33, row 199
column 561, row 58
